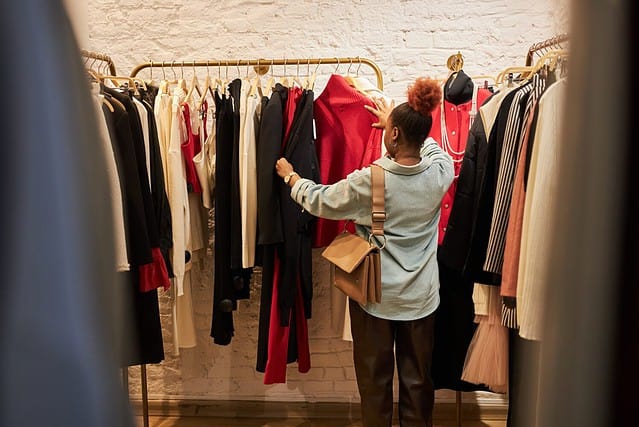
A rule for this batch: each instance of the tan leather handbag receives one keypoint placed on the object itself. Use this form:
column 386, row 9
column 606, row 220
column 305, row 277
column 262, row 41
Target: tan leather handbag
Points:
column 356, row 261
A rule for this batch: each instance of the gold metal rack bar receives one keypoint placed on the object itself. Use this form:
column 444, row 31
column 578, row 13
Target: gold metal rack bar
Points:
column 553, row 42
column 100, row 57
column 260, row 63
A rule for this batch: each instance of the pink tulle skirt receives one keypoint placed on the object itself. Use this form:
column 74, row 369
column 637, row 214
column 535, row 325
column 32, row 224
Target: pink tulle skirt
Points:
column 487, row 357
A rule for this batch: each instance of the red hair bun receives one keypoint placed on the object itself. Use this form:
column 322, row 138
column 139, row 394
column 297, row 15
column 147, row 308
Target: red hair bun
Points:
column 424, row 95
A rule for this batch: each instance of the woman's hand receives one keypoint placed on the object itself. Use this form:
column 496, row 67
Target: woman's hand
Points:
column 283, row 167
column 382, row 111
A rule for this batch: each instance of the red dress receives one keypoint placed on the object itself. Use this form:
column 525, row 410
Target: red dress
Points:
column 345, row 141
column 457, row 121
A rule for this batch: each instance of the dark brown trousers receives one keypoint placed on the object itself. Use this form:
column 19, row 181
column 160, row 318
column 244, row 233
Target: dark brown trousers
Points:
column 377, row 344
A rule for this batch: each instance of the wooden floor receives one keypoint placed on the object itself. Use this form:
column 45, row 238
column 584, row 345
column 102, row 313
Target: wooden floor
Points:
column 193, row 413
column 155, row 421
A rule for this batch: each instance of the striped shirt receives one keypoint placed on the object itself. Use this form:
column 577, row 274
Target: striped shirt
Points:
column 520, row 109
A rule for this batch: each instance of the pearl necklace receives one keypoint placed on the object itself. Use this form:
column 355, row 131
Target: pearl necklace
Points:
column 457, row 156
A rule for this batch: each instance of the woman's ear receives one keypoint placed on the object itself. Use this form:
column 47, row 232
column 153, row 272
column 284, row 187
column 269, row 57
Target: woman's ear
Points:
column 395, row 133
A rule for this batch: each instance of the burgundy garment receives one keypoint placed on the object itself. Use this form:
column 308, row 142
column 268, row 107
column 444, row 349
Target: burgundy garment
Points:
column 457, row 119
column 190, row 147
column 345, row 142
column 294, row 95
column 278, row 339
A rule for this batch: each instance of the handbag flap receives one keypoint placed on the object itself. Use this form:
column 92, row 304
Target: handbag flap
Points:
column 347, row 250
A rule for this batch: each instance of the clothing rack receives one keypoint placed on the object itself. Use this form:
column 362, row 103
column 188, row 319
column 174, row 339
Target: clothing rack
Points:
column 551, row 43
column 262, row 66
column 87, row 54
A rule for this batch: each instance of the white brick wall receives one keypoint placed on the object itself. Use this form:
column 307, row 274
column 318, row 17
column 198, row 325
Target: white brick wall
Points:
column 406, row 38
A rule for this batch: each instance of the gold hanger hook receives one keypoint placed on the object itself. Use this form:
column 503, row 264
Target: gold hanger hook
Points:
column 319, row 62
column 182, row 70
column 348, row 72
column 173, row 70
column 359, row 60
column 298, row 69
column 337, row 68
column 151, row 68
column 308, row 67
column 239, row 73
column 226, row 71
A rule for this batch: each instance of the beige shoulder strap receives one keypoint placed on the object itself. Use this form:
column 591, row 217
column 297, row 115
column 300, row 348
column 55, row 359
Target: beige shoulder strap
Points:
column 378, row 214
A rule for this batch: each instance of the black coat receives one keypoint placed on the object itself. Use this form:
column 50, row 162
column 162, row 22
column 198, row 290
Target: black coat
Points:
column 466, row 241
column 454, row 319
column 223, row 293
column 137, row 236
column 455, row 248
column 269, row 150
column 297, row 224
column 145, row 340
column 140, row 159
column 158, row 189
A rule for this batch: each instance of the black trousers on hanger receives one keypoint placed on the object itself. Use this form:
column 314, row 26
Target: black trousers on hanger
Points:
column 373, row 342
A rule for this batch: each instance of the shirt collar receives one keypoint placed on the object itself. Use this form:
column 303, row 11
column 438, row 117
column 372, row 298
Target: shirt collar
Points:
column 390, row 165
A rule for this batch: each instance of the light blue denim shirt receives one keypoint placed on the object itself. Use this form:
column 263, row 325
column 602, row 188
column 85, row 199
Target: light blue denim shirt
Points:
column 413, row 194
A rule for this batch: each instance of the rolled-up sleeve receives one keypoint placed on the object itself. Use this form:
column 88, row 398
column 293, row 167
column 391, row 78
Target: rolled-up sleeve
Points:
column 346, row 199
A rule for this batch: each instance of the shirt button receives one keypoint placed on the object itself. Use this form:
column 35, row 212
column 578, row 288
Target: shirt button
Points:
column 446, row 206
column 444, row 228
column 452, row 108
column 453, row 132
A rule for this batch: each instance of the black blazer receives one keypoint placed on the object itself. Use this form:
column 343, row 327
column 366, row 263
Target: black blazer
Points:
column 297, row 224
column 269, row 149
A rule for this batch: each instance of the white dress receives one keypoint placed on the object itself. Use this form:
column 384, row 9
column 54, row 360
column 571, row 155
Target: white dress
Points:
column 248, row 174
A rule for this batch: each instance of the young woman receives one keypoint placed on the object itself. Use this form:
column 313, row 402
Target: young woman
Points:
column 400, row 328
